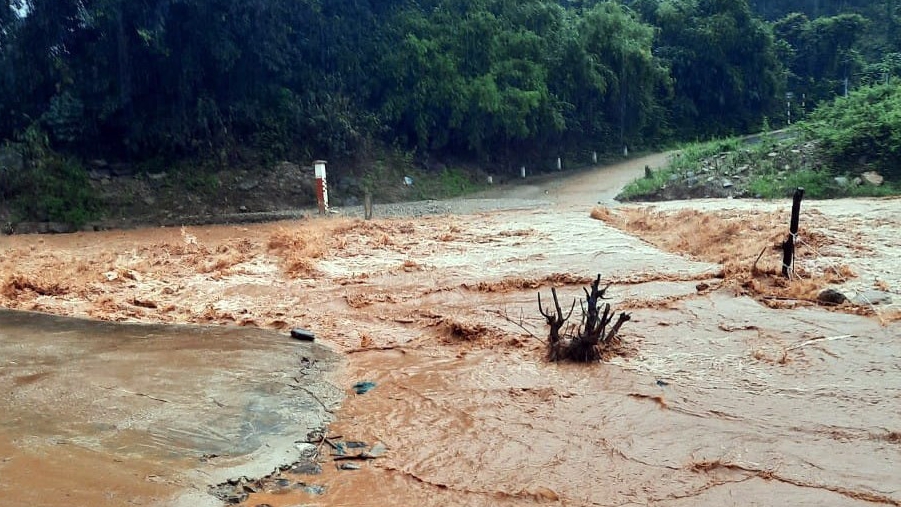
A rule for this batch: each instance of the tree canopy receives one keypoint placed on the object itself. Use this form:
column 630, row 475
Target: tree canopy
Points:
column 498, row 80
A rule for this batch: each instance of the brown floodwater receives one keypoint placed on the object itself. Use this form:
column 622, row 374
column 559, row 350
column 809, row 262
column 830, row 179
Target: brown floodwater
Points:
column 104, row 415
column 719, row 400
column 724, row 402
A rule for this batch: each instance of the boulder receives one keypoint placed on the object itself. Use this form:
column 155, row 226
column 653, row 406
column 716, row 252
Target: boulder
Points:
column 873, row 178
column 831, row 296
column 302, row 334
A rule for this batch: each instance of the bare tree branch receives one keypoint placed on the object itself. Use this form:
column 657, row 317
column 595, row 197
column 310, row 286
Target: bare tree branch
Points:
column 588, row 340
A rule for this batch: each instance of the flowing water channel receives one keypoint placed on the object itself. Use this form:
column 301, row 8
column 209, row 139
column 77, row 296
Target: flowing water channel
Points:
column 725, row 403
column 719, row 399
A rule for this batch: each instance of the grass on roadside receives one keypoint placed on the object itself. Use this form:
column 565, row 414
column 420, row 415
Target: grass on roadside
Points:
column 647, row 186
column 816, row 185
column 687, row 159
column 767, row 169
column 385, row 179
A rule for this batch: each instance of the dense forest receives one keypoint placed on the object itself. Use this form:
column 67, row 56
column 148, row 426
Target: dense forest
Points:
column 154, row 82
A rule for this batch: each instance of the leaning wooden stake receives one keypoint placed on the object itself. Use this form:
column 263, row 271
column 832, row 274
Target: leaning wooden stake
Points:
column 788, row 247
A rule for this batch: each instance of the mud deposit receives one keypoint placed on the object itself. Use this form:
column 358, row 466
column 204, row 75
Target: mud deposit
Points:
column 737, row 389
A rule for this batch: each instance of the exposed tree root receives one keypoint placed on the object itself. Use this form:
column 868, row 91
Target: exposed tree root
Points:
column 589, row 341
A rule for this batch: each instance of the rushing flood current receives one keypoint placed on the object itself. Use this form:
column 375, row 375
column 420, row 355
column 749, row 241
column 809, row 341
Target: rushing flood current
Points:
column 725, row 403
column 720, row 399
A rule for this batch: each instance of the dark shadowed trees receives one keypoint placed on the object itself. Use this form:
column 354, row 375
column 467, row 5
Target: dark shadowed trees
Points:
column 725, row 71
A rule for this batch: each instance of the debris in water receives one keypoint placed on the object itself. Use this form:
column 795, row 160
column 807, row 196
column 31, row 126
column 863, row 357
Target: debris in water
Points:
column 662, row 383
column 307, row 468
column 659, row 400
column 873, row 297
column 235, row 498
column 590, row 340
column 378, row 450
column 307, row 450
column 831, row 296
column 302, row 335
column 315, row 489
column 363, row 387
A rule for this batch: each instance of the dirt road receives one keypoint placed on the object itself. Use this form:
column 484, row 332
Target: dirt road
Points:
column 722, row 400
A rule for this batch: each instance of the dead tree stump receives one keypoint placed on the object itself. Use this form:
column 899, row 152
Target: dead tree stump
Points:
column 589, row 340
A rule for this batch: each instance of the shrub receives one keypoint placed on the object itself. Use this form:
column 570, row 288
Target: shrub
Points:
column 49, row 187
column 864, row 127
column 56, row 189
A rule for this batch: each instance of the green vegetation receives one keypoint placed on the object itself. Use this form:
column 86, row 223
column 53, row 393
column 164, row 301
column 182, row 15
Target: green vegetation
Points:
column 841, row 141
column 56, row 190
column 184, row 85
column 644, row 187
column 50, row 187
column 487, row 80
column 385, row 179
column 862, row 129
column 454, row 182
column 816, row 184
column 687, row 160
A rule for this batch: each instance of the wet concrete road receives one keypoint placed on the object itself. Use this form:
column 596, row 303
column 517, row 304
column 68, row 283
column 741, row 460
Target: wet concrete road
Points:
column 100, row 414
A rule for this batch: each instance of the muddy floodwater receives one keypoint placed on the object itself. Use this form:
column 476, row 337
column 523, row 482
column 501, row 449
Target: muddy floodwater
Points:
column 726, row 403
column 101, row 414
column 735, row 387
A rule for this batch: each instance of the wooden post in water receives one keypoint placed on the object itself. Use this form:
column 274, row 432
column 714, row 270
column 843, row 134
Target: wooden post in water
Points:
column 367, row 205
column 788, row 247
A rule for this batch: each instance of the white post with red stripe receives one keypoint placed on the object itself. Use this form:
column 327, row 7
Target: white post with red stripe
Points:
column 321, row 186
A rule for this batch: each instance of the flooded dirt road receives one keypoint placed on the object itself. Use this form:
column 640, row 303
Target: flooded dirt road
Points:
column 721, row 400
column 714, row 409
